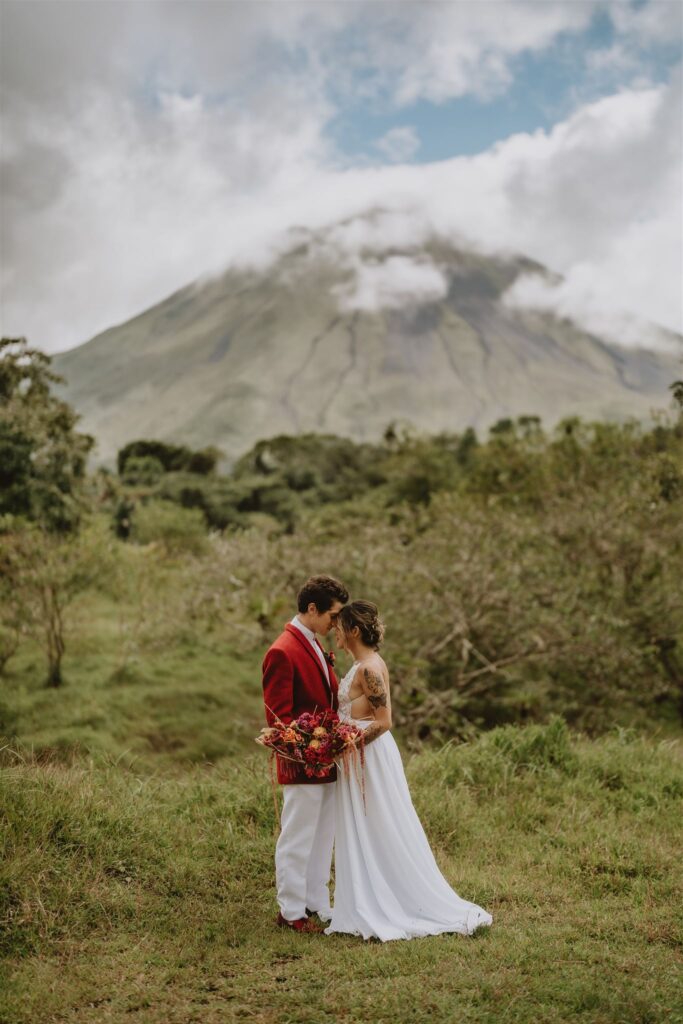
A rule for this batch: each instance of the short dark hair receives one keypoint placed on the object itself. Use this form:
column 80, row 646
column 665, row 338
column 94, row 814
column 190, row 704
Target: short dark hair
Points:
column 322, row 591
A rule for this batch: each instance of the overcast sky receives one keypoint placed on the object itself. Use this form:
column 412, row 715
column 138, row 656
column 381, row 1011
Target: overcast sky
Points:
column 145, row 144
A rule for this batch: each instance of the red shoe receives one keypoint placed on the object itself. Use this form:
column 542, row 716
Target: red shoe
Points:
column 303, row 924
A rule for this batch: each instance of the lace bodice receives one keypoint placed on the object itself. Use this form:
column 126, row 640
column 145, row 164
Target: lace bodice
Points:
column 345, row 702
column 343, row 691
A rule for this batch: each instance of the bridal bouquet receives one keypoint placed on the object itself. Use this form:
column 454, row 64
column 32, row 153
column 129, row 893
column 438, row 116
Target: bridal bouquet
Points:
column 315, row 741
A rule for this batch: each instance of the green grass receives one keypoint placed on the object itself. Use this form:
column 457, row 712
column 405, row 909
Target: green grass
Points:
column 150, row 898
column 138, row 829
column 154, row 703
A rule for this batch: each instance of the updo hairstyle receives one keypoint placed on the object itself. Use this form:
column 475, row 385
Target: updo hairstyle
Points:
column 365, row 615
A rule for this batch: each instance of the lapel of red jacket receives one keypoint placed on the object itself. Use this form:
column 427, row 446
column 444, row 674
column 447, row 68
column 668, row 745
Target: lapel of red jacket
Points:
column 305, row 643
column 331, row 681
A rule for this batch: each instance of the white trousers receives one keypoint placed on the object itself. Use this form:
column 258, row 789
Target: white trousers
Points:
column 303, row 854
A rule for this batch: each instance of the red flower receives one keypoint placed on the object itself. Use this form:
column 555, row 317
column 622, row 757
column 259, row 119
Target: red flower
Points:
column 297, row 741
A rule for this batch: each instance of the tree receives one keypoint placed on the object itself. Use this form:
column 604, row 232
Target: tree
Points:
column 12, row 620
column 42, row 456
column 203, row 462
column 41, row 574
column 171, row 458
column 142, row 469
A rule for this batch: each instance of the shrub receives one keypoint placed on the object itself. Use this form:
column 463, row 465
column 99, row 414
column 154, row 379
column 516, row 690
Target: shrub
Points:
column 172, row 458
column 177, row 529
column 142, row 469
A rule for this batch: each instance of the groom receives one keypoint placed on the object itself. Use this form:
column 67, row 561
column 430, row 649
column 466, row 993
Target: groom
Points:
column 298, row 677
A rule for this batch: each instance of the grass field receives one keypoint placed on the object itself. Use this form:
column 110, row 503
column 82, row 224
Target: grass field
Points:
column 148, row 896
column 138, row 829
column 159, row 703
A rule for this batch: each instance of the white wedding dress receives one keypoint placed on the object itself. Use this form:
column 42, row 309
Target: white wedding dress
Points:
column 387, row 883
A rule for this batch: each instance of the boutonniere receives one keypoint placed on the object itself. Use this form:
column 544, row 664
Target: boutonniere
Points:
column 330, row 658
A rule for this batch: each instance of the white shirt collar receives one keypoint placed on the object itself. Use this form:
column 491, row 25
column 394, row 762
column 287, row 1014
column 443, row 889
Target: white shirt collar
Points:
column 308, row 633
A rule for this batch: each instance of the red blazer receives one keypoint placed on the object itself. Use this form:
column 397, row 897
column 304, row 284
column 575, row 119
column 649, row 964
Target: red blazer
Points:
column 294, row 681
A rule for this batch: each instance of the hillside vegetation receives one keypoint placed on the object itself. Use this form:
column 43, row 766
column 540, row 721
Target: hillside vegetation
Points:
column 520, row 576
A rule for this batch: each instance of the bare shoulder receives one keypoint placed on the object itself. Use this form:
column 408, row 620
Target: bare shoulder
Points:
column 374, row 669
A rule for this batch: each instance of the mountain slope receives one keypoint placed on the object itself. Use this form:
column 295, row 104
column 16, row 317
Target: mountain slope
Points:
column 256, row 353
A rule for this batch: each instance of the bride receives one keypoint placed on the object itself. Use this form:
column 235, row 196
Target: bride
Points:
column 387, row 883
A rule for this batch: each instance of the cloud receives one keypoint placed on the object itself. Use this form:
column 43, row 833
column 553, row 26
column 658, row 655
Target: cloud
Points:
column 659, row 21
column 587, row 199
column 616, row 59
column 399, row 226
column 399, row 144
column 391, row 283
column 468, row 49
column 147, row 144
column 409, row 49
column 641, row 34
column 118, row 208
column 575, row 298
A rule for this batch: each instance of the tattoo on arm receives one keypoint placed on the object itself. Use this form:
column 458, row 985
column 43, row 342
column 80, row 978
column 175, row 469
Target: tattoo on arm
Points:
column 374, row 688
column 376, row 692
column 372, row 732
